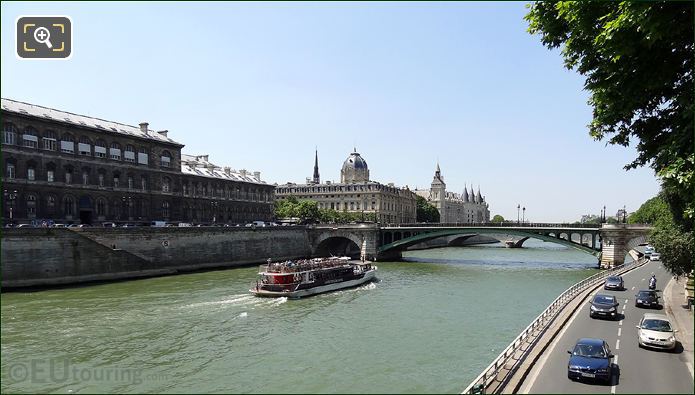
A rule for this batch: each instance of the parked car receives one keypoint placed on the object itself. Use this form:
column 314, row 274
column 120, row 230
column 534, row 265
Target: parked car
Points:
column 604, row 306
column 655, row 256
column 590, row 359
column 108, row 224
column 647, row 298
column 614, row 282
column 656, row 331
column 24, row 226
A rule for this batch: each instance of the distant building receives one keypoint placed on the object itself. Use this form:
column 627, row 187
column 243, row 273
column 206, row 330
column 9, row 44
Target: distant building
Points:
column 355, row 193
column 67, row 167
column 452, row 207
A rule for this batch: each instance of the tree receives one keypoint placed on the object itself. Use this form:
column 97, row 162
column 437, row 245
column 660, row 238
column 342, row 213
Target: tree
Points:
column 638, row 61
column 675, row 245
column 498, row 218
column 426, row 212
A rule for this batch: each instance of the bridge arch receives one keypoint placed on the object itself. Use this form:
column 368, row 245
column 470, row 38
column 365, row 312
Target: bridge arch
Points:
column 403, row 243
column 337, row 244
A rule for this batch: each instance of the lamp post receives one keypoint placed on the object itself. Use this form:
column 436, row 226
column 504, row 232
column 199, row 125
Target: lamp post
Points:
column 10, row 196
column 518, row 206
column 523, row 215
column 624, row 215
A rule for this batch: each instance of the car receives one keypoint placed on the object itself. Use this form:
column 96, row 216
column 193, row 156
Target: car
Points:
column 614, row 282
column 655, row 256
column 604, row 306
column 647, row 298
column 590, row 359
column 108, row 224
column 24, row 226
column 656, row 331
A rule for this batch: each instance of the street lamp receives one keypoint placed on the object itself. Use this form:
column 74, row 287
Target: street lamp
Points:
column 11, row 196
column 518, row 206
column 523, row 215
column 624, row 215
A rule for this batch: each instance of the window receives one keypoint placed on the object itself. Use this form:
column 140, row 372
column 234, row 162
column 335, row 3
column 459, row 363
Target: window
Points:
column 50, row 175
column 115, row 151
column 51, row 204
column 130, row 182
column 85, row 146
column 31, row 206
column 85, row 178
column 10, row 134
column 49, row 141
column 165, row 209
column 129, row 154
column 142, row 156
column 166, row 159
column 185, row 189
column 100, row 149
column 101, row 179
column 143, row 183
column 115, row 181
column 101, row 207
column 69, row 206
column 166, row 184
column 30, row 138
column 31, row 174
column 67, row 144
column 10, row 171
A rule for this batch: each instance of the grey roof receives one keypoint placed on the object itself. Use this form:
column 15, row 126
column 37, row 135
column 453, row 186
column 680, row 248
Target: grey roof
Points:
column 81, row 120
column 355, row 161
column 199, row 165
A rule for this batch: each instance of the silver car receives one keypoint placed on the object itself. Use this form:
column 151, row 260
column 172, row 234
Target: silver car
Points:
column 656, row 331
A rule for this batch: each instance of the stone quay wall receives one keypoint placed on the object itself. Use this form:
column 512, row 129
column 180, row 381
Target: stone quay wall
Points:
column 36, row 257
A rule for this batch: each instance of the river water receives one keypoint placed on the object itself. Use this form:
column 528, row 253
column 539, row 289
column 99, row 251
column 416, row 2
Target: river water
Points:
column 429, row 325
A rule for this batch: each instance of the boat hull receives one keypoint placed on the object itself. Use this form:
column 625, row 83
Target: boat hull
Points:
column 368, row 276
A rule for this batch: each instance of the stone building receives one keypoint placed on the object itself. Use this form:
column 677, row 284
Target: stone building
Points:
column 454, row 208
column 72, row 168
column 355, row 193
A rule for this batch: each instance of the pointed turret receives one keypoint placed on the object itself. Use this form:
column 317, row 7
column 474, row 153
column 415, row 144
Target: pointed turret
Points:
column 478, row 197
column 465, row 194
column 317, row 178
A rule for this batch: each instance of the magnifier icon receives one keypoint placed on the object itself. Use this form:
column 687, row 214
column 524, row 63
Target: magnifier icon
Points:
column 43, row 36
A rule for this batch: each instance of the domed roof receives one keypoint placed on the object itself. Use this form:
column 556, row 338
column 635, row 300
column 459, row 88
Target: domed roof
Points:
column 355, row 161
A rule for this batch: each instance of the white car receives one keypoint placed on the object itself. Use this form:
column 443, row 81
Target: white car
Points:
column 655, row 256
column 656, row 331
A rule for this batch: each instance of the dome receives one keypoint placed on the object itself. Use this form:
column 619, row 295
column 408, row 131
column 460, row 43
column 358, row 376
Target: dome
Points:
column 355, row 161
column 354, row 169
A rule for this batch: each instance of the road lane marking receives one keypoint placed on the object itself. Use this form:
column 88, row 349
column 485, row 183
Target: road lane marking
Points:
column 642, row 279
column 626, row 299
column 633, row 288
column 619, row 330
column 620, row 323
column 617, row 344
column 615, row 362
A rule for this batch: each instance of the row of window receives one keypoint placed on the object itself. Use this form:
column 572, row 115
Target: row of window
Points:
column 66, row 144
column 132, row 183
column 340, row 188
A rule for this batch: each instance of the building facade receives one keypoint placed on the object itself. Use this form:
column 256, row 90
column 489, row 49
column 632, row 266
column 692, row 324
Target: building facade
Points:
column 454, row 208
column 71, row 168
column 355, row 193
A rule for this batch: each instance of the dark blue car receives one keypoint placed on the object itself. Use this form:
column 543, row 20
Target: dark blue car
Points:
column 590, row 359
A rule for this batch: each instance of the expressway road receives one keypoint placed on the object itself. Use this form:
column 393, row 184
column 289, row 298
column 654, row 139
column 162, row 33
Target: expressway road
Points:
column 638, row 370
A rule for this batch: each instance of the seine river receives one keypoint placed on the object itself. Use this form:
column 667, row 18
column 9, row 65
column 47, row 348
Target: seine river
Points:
column 429, row 325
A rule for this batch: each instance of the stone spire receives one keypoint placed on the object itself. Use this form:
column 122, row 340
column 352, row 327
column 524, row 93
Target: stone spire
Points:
column 478, row 197
column 317, row 178
column 465, row 194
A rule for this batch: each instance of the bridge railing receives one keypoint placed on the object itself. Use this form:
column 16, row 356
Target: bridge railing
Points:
column 498, row 371
column 493, row 225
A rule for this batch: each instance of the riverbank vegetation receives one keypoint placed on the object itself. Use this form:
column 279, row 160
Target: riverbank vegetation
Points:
column 308, row 211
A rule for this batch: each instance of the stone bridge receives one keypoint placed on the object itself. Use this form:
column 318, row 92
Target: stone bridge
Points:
column 610, row 243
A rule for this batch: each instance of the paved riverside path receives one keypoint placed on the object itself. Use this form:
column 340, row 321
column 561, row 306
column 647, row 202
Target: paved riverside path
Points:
column 639, row 370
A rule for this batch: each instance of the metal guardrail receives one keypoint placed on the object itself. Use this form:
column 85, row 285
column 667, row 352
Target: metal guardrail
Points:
column 494, row 225
column 535, row 329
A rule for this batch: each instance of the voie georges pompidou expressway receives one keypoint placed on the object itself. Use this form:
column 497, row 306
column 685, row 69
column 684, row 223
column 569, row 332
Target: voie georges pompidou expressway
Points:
column 63, row 167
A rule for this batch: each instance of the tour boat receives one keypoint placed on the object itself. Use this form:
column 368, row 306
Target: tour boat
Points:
column 295, row 279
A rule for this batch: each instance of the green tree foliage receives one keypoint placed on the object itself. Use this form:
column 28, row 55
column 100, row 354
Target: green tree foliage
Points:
column 426, row 212
column 498, row 218
column 308, row 211
column 638, row 61
column 650, row 212
column 675, row 245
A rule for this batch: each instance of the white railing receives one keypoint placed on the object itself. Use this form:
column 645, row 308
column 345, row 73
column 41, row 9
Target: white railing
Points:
column 532, row 332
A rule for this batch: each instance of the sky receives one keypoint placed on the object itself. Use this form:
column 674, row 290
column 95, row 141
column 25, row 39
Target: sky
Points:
column 259, row 86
